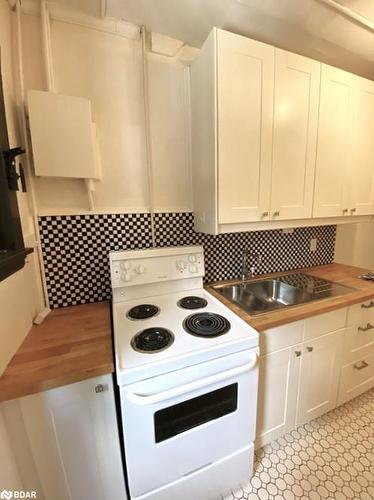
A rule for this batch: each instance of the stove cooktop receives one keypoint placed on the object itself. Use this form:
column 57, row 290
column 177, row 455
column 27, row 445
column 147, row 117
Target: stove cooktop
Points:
column 223, row 332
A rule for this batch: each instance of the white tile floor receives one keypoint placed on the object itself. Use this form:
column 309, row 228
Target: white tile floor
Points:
column 331, row 458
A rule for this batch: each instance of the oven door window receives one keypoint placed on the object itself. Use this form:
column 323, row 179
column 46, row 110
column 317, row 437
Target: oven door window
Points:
column 196, row 411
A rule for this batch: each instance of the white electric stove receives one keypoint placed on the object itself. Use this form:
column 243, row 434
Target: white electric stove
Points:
column 187, row 370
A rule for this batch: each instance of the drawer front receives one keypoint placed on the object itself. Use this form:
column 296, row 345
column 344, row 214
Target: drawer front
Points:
column 361, row 313
column 280, row 337
column 359, row 340
column 325, row 323
column 356, row 378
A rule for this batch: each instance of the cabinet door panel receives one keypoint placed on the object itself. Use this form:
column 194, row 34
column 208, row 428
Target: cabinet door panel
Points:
column 245, row 115
column 296, row 101
column 334, row 143
column 362, row 169
column 320, row 370
column 277, row 396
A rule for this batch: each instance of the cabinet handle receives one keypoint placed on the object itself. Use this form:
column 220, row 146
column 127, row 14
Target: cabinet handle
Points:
column 353, row 210
column 100, row 388
column 265, row 214
column 365, row 328
column 309, row 348
column 275, row 214
column 297, row 354
column 368, row 306
column 345, row 210
column 360, row 365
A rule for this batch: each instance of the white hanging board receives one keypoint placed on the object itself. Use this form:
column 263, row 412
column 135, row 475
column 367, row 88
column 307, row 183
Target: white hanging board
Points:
column 62, row 135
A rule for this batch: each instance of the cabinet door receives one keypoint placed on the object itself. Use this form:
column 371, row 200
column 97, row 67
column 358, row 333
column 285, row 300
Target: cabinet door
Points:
column 319, row 379
column 361, row 179
column 296, row 101
column 277, row 396
column 334, row 146
column 245, row 119
column 74, row 441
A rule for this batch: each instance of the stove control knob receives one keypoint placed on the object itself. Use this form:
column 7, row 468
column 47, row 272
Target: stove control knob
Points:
column 181, row 265
column 193, row 268
column 139, row 269
column 192, row 258
column 126, row 276
column 125, row 265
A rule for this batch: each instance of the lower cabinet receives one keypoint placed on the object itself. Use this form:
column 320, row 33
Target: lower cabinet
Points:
column 66, row 441
column 300, row 382
column 277, row 397
column 320, row 372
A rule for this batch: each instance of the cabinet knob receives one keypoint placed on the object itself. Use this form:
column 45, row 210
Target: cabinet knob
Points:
column 353, row 210
column 100, row 388
column 309, row 348
column 275, row 214
column 345, row 210
column 265, row 214
column 297, row 354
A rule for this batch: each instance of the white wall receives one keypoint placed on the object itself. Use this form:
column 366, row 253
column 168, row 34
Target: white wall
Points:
column 355, row 245
column 107, row 69
column 18, row 295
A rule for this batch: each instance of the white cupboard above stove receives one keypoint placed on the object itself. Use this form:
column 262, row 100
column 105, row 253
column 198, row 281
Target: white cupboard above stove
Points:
column 257, row 137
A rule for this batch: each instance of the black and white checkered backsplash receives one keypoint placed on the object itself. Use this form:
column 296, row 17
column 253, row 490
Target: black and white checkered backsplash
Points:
column 75, row 250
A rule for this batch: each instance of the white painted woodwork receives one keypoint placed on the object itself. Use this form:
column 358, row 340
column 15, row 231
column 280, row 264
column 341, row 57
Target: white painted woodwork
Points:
column 320, row 372
column 73, row 437
column 356, row 377
column 296, row 100
column 280, row 337
column 361, row 172
column 204, row 136
column 322, row 324
column 359, row 341
column 361, row 313
column 62, row 135
column 334, row 152
column 245, row 75
column 277, row 394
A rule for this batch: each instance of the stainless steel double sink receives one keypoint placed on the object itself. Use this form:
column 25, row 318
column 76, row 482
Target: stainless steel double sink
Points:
column 262, row 296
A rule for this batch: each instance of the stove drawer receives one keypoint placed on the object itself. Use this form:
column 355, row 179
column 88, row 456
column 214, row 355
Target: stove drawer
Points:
column 188, row 423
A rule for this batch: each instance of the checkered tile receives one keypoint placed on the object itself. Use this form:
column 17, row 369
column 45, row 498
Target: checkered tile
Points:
column 75, row 250
column 223, row 253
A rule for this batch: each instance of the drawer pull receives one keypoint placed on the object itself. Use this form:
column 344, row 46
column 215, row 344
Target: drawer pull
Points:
column 365, row 328
column 368, row 306
column 360, row 365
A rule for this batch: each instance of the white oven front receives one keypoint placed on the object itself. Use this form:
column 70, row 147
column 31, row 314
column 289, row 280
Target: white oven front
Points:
column 178, row 423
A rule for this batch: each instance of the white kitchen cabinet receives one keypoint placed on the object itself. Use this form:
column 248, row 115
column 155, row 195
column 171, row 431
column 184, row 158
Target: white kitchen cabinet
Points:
column 361, row 173
column 320, row 371
column 73, row 441
column 296, row 100
column 245, row 82
column 277, row 396
column 334, row 152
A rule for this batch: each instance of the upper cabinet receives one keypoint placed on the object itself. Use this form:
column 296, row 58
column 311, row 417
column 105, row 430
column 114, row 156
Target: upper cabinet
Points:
column 333, row 151
column 296, row 98
column 277, row 136
column 245, row 75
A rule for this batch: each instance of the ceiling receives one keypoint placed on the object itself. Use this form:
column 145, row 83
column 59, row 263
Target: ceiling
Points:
column 308, row 27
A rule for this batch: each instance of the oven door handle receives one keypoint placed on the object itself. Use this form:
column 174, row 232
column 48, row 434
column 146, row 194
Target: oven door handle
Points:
column 151, row 399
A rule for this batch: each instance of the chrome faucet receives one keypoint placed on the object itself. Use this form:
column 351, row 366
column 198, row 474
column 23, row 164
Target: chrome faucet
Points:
column 248, row 273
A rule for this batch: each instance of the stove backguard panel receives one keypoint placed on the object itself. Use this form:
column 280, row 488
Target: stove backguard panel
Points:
column 76, row 247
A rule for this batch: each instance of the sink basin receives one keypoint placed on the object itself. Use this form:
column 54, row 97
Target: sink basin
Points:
column 262, row 296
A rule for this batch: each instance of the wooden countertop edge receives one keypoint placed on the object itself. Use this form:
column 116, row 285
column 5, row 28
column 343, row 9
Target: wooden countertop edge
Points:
column 364, row 292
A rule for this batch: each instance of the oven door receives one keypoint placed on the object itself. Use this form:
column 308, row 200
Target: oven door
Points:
column 183, row 421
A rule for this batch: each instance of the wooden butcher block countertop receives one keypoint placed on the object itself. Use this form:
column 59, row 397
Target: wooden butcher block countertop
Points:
column 72, row 344
column 345, row 275
column 75, row 343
